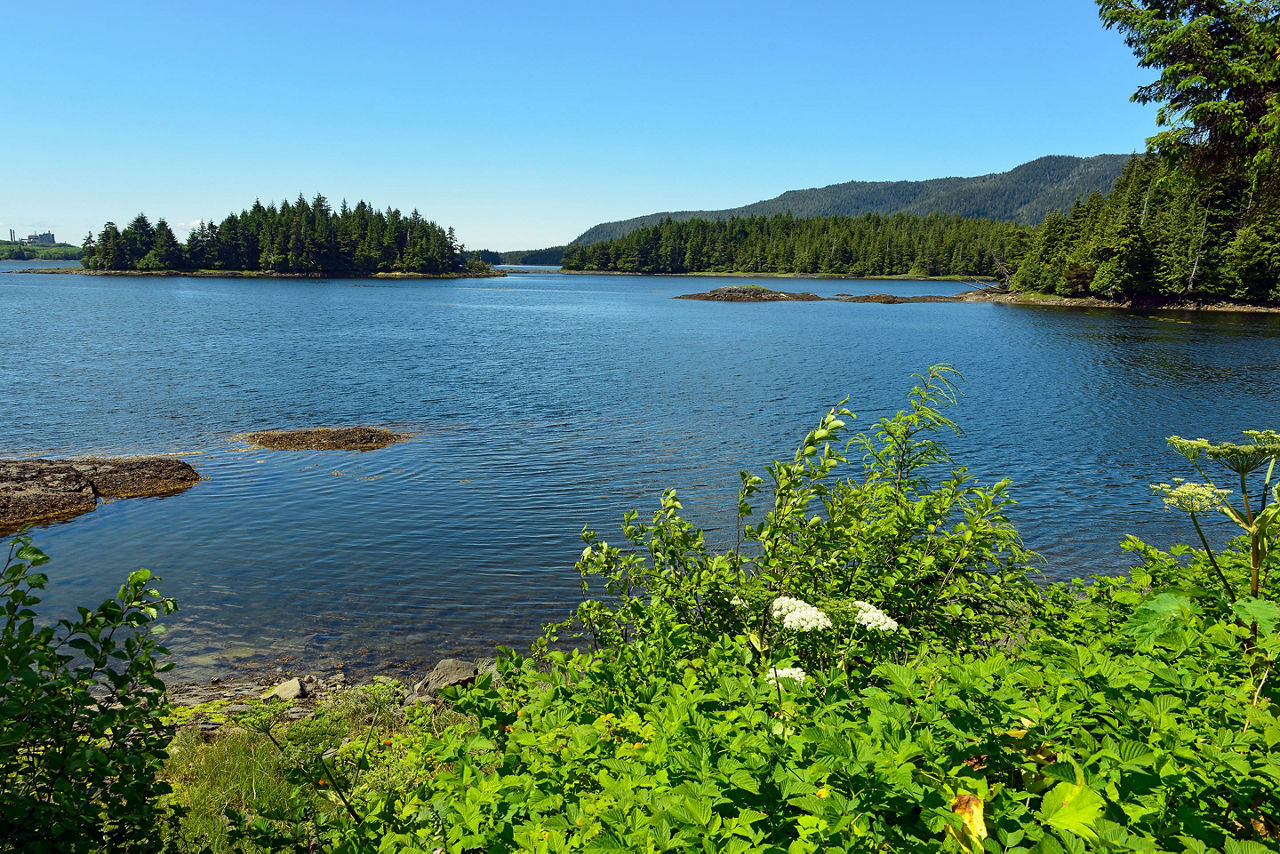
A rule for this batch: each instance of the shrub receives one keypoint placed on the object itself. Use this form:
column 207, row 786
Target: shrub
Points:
column 82, row 732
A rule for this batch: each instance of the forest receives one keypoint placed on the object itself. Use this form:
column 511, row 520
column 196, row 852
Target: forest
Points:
column 869, row 245
column 1023, row 194
column 302, row 237
column 14, row 251
column 1166, row 232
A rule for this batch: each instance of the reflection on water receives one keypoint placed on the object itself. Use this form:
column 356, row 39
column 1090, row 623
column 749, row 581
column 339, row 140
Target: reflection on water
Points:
column 542, row 403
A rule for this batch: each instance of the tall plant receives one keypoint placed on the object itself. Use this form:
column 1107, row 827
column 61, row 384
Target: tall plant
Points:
column 82, row 728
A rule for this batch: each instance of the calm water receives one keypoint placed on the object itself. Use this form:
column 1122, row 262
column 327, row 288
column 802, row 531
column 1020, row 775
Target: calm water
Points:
column 541, row 403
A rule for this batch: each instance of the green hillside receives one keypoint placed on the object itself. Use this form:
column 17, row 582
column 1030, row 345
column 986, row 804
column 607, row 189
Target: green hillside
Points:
column 1024, row 194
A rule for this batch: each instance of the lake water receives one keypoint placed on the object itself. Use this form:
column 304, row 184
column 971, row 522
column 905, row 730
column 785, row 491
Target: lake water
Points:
column 541, row 403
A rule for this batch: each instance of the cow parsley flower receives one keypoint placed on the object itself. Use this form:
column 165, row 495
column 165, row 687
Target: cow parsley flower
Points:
column 776, row 673
column 798, row 615
column 1191, row 497
column 873, row 618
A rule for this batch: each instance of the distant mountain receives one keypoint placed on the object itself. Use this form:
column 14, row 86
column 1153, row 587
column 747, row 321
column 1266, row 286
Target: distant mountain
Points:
column 1024, row 194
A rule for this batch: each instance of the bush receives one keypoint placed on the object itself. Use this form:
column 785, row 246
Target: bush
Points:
column 82, row 733
column 869, row 670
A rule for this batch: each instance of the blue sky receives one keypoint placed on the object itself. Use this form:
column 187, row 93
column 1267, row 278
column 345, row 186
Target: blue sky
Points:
column 522, row 124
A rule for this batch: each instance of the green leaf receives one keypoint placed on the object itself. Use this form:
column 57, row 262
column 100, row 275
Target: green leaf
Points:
column 1073, row 808
column 1250, row 610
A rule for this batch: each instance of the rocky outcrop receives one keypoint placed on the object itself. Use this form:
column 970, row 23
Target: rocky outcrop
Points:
column 894, row 299
column 325, row 439
column 449, row 672
column 42, row 490
column 750, row 293
column 36, row 490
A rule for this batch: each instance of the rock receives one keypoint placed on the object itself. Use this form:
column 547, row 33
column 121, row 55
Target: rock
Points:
column 751, row 293
column 36, row 490
column 39, row 490
column 290, row 689
column 447, row 673
column 326, row 439
column 137, row 476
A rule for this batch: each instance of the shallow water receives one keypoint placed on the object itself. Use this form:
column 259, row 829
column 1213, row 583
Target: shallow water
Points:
column 541, row 403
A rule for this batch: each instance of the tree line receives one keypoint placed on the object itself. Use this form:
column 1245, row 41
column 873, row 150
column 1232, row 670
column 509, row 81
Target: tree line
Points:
column 298, row 237
column 1165, row 232
column 1162, row 233
column 868, row 245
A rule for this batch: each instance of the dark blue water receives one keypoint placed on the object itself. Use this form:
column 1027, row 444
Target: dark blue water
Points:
column 541, row 403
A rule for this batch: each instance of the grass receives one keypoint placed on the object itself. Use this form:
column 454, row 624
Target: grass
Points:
column 258, row 764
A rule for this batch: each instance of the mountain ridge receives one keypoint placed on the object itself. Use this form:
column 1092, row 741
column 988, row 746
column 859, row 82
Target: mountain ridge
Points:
column 1025, row 194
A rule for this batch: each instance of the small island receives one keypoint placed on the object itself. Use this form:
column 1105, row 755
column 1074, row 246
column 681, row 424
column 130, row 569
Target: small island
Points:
column 751, row 293
column 325, row 439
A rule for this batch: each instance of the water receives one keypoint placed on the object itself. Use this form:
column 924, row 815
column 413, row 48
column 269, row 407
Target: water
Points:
column 540, row 403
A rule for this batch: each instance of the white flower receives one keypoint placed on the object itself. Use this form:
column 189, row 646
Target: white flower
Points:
column 1191, row 497
column 873, row 618
column 798, row 615
column 776, row 673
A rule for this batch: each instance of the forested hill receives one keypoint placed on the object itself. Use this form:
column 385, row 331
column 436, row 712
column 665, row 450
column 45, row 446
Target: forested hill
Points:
column 1024, row 194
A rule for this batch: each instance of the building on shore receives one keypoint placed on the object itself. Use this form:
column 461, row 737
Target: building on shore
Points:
column 46, row 237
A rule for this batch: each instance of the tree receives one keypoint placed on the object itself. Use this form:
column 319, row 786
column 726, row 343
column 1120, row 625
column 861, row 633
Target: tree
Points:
column 1219, row 84
column 165, row 252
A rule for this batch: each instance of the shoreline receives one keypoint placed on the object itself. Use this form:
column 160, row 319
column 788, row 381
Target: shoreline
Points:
column 256, row 274
column 975, row 295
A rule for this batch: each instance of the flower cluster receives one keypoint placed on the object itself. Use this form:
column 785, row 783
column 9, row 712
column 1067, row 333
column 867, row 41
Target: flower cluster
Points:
column 798, row 615
column 1191, row 497
column 873, row 618
column 776, row 673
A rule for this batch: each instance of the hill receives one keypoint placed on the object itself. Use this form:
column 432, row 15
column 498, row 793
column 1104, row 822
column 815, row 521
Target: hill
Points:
column 1024, row 194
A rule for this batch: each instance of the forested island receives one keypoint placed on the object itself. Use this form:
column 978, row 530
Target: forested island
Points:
column 869, row 245
column 294, row 238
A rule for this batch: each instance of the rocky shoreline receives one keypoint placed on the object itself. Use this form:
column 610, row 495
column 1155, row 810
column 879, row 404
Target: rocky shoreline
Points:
column 758, row 293
column 209, row 706
column 42, row 490
column 257, row 274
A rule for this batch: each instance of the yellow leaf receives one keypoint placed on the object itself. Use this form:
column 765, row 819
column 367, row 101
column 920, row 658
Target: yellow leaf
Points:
column 973, row 829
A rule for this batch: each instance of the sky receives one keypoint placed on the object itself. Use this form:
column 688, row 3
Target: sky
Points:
column 522, row 124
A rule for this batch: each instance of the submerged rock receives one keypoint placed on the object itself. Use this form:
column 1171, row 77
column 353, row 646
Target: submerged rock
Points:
column 42, row 490
column 326, row 439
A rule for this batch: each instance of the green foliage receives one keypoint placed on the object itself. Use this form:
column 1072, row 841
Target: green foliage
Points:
column 1219, row 83
column 907, row 532
column 10, row 251
column 719, row 712
column 298, row 237
column 82, row 728
column 869, row 245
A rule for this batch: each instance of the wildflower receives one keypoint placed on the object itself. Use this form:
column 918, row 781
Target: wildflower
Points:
column 824, row 792
column 798, row 615
column 776, row 673
column 1191, row 497
column 319, row 782
column 873, row 618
